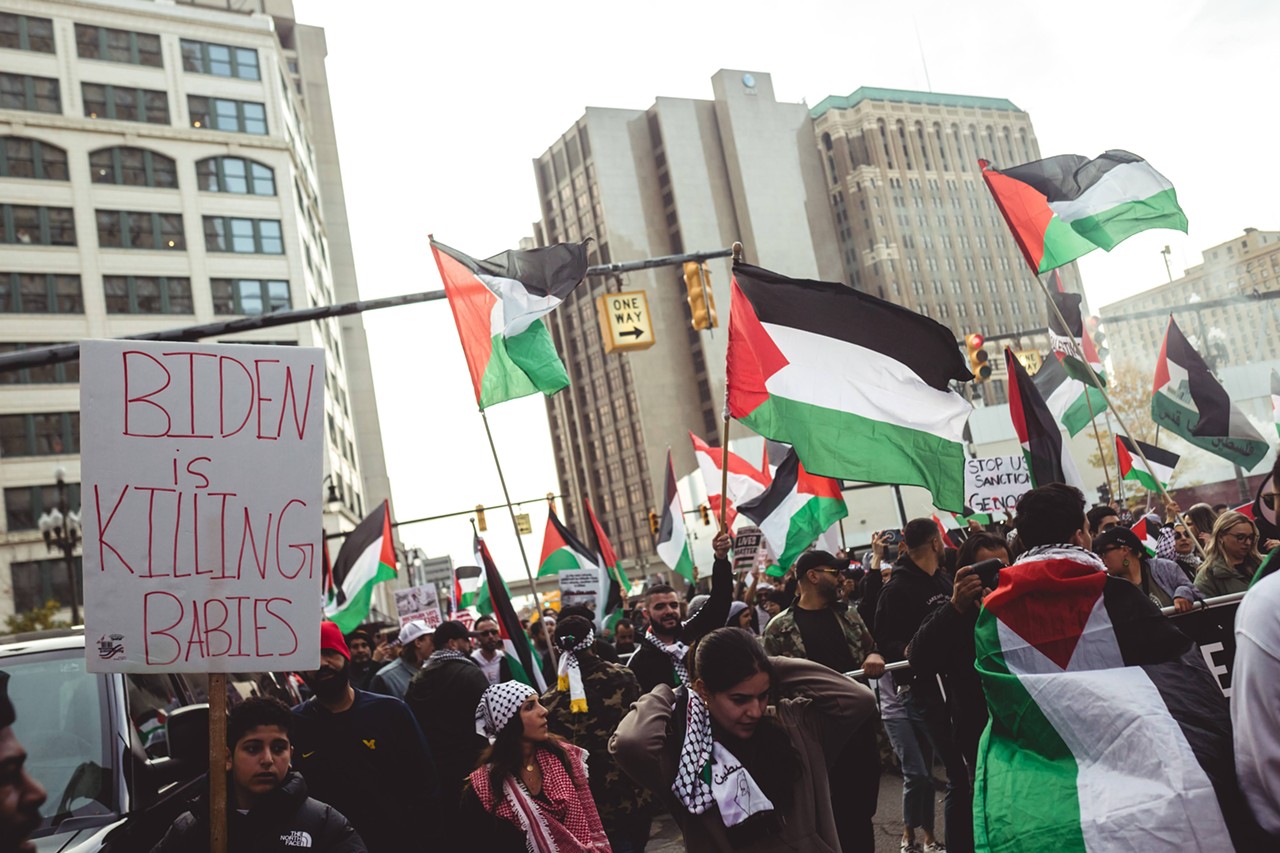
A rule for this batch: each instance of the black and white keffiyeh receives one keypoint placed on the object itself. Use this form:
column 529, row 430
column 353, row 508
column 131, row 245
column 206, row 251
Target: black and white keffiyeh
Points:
column 1062, row 552
column 708, row 774
column 676, row 651
column 569, row 672
column 498, row 705
column 449, row 654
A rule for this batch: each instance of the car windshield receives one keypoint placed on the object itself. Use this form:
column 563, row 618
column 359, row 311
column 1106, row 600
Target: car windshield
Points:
column 59, row 707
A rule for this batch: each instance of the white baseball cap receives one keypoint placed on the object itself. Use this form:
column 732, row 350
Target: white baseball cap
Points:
column 412, row 630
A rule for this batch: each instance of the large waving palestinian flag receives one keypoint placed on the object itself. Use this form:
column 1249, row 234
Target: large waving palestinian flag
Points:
column 497, row 304
column 858, row 386
column 1107, row 730
column 744, row 481
column 796, row 509
column 1189, row 402
column 673, row 538
column 367, row 558
column 1074, row 404
column 1063, row 207
column 516, row 643
column 562, row 550
column 1048, row 458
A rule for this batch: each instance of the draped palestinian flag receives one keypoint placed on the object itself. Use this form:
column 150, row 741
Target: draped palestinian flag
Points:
column 1131, row 468
column 1063, row 207
column 1191, row 403
column 745, row 482
column 498, row 304
column 1107, row 730
column 562, row 550
column 795, row 510
column 367, row 558
column 673, row 539
column 1068, row 399
column 858, row 386
column 1048, row 458
column 516, row 643
column 1072, row 344
column 1275, row 399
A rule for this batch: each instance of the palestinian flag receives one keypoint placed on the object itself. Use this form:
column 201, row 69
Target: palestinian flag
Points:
column 367, row 557
column 944, row 533
column 1275, row 399
column 745, row 482
column 1048, row 459
column 516, row 643
column 1131, row 468
column 963, row 519
column 796, row 509
column 616, row 582
column 1107, row 730
column 562, row 550
column 1068, row 399
column 1189, row 402
column 859, row 387
column 1072, row 344
column 774, row 453
column 1063, row 207
column 1148, row 537
column 497, row 304
column 673, row 539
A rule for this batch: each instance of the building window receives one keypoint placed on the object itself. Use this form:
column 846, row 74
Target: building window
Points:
column 24, row 92
column 235, row 175
column 220, row 60
column 247, row 236
column 23, row 32
column 140, row 294
column 67, row 371
column 31, row 158
column 44, row 434
column 40, row 293
column 41, row 226
column 226, row 114
column 124, row 103
column 133, row 167
column 249, row 296
column 38, row 582
column 134, row 229
column 24, row 505
column 118, row 46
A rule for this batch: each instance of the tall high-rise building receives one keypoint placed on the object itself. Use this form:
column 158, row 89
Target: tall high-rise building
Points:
column 163, row 165
column 682, row 175
column 915, row 222
column 1222, row 311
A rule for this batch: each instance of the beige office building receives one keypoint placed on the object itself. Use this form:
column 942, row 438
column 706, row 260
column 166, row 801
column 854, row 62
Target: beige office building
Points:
column 163, row 165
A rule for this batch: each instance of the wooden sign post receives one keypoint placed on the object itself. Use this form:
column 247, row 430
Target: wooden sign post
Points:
column 217, row 763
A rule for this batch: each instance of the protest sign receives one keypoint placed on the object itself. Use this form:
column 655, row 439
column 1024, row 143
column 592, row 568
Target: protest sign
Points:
column 995, row 484
column 1213, row 630
column 419, row 602
column 201, row 471
column 579, row 586
column 746, row 548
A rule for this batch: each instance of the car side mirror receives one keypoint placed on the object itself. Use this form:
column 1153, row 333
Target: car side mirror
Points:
column 187, row 731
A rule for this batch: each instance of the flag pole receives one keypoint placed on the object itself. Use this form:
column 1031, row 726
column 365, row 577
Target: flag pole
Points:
column 1102, row 457
column 724, row 440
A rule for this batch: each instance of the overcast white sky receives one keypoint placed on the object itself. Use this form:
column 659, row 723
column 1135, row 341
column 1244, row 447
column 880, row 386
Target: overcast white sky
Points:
column 441, row 107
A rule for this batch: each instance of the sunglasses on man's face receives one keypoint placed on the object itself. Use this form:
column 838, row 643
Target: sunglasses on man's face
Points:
column 492, row 632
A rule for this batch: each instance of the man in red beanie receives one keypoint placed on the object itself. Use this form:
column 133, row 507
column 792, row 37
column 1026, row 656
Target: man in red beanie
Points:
column 363, row 753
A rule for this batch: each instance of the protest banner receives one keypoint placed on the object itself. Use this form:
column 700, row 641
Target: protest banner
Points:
column 994, row 484
column 419, row 602
column 746, row 548
column 201, row 470
column 579, row 586
column 1213, row 630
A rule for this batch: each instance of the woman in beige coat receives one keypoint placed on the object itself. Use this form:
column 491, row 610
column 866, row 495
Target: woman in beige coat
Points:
column 743, row 754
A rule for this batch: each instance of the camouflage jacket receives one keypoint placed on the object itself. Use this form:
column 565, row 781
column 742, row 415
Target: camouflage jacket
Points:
column 611, row 690
column 782, row 635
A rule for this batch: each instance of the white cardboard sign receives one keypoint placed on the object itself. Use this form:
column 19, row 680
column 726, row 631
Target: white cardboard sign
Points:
column 994, row 484
column 201, row 473
column 579, row 586
column 419, row 602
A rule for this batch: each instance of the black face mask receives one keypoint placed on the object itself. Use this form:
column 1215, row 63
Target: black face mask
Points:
column 328, row 683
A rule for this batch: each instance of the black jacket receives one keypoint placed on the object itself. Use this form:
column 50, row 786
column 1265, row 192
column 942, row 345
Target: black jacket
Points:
column 910, row 595
column 944, row 646
column 284, row 820
column 653, row 667
column 443, row 697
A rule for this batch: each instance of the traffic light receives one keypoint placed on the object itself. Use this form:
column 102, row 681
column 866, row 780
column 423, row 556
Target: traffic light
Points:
column 1093, row 326
column 480, row 522
column 705, row 512
column 654, row 521
column 978, row 358
column 702, row 305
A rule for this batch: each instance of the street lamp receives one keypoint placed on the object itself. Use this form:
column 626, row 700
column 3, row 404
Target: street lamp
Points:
column 61, row 530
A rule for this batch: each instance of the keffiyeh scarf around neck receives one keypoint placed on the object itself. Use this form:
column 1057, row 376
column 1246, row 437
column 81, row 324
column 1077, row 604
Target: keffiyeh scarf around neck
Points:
column 1062, row 552
column 449, row 654
column 676, row 651
column 569, row 674
column 708, row 774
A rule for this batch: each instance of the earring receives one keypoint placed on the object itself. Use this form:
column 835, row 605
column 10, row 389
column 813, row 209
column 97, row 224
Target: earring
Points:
column 1125, row 564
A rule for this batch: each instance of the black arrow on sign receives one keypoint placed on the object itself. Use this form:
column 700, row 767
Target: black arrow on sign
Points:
column 635, row 332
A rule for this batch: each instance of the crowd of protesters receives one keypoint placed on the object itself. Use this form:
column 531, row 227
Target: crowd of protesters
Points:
column 731, row 710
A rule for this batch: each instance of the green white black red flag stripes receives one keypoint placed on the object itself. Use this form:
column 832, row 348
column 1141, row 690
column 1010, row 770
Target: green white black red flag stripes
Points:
column 1063, row 207
column 1068, row 399
column 1107, row 731
column 367, row 558
column 562, row 550
column 516, row 643
column 1131, row 468
column 1048, row 458
column 858, row 386
column 796, row 509
column 673, row 539
column 498, row 304
column 618, row 585
column 744, row 481
column 1191, row 403
column 1146, row 535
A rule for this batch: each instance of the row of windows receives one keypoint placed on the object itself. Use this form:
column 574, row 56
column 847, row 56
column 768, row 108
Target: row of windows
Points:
column 135, row 229
column 24, row 32
column 24, row 505
column 42, row 293
column 130, row 103
column 43, row 434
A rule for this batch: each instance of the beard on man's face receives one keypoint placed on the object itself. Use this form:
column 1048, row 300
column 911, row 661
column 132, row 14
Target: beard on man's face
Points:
column 329, row 683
